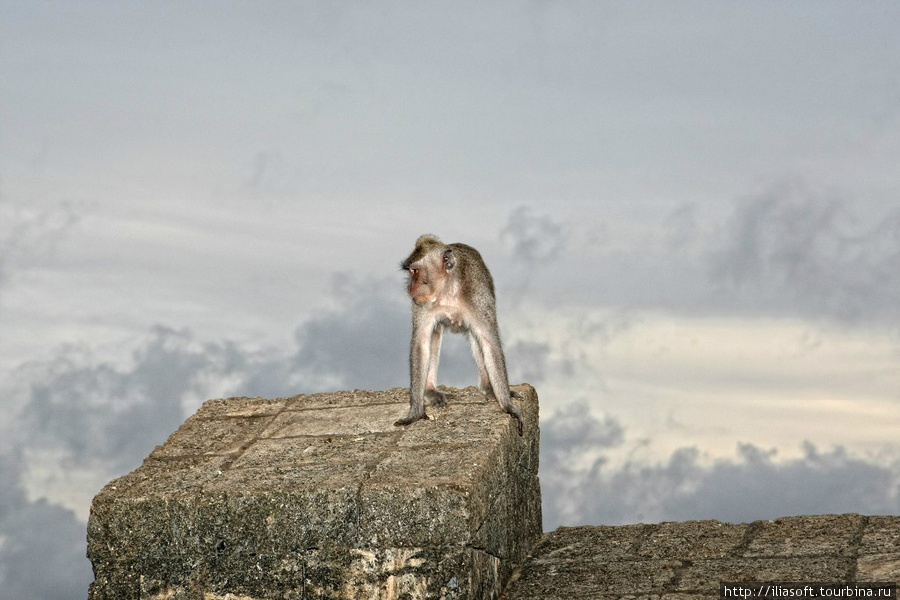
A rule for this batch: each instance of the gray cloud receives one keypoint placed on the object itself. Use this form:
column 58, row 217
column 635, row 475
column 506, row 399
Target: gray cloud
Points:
column 566, row 436
column 112, row 413
column 789, row 250
column 527, row 361
column 752, row 485
column 682, row 227
column 362, row 343
column 533, row 238
column 42, row 555
column 573, row 431
column 792, row 249
column 108, row 414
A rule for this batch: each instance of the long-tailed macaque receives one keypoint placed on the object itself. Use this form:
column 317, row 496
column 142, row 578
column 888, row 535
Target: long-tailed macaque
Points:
column 451, row 287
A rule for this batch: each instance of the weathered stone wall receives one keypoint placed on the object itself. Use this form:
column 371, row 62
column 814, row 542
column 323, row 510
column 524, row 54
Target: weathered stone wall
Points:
column 680, row 561
column 321, row 496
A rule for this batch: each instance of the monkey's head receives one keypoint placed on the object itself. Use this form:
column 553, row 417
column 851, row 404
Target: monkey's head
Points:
column 429, row 268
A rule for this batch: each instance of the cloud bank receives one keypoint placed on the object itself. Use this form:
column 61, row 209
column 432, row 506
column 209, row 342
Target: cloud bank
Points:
column 752, row 485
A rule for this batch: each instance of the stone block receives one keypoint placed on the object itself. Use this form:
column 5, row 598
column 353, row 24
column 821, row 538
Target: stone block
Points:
column 321, row 496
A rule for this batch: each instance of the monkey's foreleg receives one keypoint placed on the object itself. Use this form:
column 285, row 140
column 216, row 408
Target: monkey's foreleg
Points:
column 432, row 394
column 416, row 408
column 493, row 366
column 420, row 358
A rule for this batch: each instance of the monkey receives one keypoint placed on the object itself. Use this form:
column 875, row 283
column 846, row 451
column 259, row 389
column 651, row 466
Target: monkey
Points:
column 451, row 287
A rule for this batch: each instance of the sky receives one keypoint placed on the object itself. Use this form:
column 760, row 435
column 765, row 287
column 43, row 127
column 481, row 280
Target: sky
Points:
column 691, row 211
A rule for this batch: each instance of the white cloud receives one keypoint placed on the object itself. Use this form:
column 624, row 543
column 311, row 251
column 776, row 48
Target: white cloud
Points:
column 29, row 233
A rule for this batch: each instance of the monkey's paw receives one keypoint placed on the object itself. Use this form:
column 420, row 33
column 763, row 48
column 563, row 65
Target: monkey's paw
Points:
column 520, row 424
column 410, row 420
column 438, row 398
column 491, row 397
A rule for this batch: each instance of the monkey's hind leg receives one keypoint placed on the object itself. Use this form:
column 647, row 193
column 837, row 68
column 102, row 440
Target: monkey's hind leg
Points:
column 492, row 378
column 489, row 394
column 516, row 412
column 438, row 398
column 508, row 405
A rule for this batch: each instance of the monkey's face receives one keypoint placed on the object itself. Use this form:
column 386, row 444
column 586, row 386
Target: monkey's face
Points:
column 421, row 286
column 429, row 268
column 428, row 277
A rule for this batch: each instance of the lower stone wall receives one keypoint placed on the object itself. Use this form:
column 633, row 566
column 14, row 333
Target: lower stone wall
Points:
column 679, row 561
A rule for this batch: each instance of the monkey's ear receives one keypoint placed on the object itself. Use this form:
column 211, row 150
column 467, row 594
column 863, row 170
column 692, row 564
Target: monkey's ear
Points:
column 449, row 259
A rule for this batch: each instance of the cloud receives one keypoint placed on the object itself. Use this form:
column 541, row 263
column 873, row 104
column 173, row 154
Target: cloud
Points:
column 792, row 249
column 567, row 436
column 532, row 238
column 752, row 485
column 28, row 234
column 527, row 361
column 42, row 554
column 113, row 414
column 362, row 343
column 682, row 227
column 574, row 431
